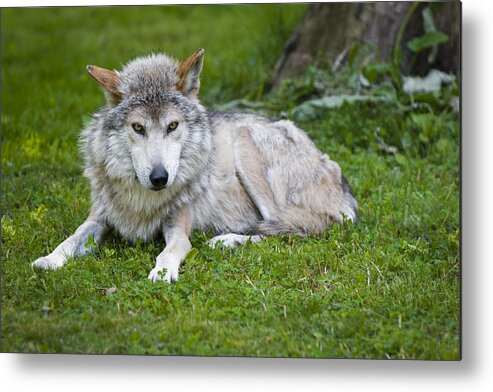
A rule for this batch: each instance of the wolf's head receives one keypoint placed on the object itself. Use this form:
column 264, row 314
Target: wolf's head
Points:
column 155, row 129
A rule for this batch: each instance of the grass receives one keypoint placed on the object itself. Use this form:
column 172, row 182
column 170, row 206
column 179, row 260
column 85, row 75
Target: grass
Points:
column 387, row 287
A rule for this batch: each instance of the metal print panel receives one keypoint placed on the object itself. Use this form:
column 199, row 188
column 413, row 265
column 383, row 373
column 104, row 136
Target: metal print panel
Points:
column 232, row 180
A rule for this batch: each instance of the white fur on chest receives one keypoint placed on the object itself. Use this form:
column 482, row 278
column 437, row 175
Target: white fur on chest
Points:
column 136, row 212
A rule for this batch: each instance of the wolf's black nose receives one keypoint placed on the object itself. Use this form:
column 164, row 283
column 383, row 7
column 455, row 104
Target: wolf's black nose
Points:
column 159, row 177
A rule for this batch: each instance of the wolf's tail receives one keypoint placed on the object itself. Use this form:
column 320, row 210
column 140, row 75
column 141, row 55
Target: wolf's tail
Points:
column 296, row 221
column 305, row 222
column 351, row 202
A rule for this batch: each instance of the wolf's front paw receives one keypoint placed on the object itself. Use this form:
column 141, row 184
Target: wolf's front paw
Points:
column 225, row 240
column 171, row 276
column 232, row 240
column 48, row 263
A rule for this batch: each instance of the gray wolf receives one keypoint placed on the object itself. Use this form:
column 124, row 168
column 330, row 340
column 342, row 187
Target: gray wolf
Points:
column 159, row 163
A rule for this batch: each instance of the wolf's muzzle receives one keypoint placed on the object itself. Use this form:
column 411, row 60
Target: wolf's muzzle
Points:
column 158, row 177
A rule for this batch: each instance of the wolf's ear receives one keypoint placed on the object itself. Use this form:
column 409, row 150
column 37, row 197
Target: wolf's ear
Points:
column 109, row 80
column 189, row 74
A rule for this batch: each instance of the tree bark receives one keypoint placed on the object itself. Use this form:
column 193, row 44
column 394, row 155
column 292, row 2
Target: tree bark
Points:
column 330, row 29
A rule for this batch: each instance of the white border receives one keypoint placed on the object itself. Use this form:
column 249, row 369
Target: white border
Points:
column 130, row 373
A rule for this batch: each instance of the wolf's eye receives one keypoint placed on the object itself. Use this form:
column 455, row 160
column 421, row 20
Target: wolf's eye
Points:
column 172, row 126
column 139, row 128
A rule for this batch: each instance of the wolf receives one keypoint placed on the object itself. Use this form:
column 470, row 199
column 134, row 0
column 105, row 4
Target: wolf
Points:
column 160, row 163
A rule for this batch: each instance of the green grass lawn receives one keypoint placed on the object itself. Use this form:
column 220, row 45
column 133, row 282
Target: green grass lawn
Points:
column 387, row 287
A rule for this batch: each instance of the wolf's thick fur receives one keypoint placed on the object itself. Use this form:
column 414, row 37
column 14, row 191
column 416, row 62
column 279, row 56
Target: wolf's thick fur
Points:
column 159, row 163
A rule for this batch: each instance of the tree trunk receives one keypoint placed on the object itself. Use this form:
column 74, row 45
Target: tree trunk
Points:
column 330, row 29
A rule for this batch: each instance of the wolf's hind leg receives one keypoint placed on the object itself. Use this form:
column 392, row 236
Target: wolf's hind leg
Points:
column 75, row 245
column 232, row 240
column 251, row 169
